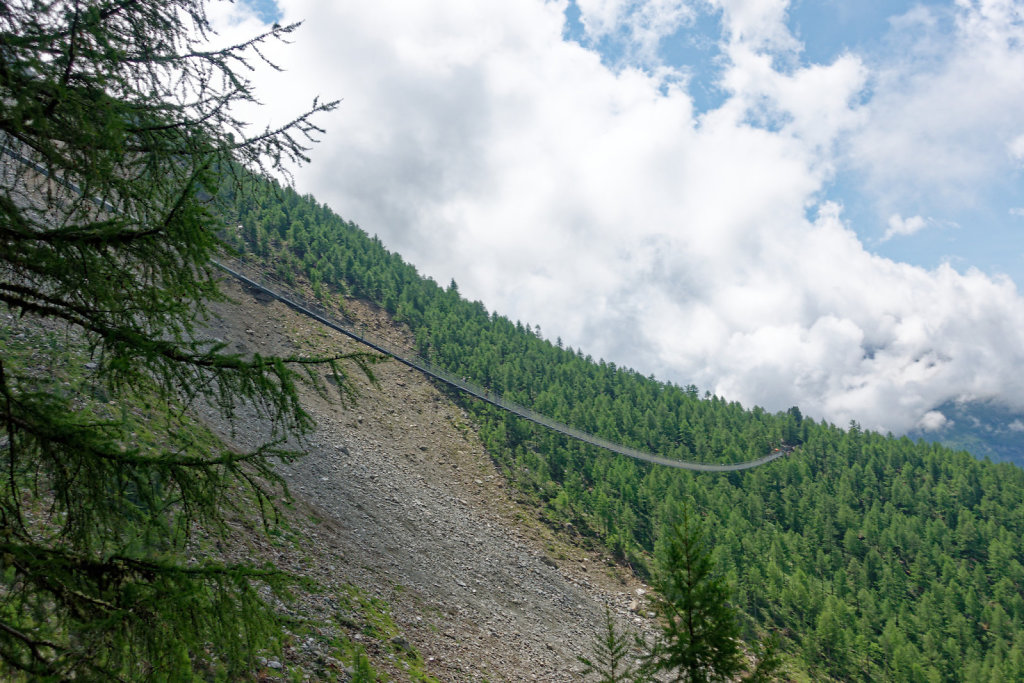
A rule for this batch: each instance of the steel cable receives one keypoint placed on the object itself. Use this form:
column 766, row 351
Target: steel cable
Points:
column 316, row 313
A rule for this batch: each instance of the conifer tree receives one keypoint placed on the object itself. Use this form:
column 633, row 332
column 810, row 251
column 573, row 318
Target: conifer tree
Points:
column 699, row 638
column 611, row 657
column 116, row 127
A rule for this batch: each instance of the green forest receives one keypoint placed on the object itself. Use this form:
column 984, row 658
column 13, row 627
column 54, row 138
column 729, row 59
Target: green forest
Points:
column 872, row 557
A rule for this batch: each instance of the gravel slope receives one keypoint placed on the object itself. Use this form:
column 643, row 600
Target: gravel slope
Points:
column 398, row 497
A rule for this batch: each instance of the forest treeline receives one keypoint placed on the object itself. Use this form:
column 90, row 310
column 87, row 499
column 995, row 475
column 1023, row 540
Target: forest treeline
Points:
column 873, row 557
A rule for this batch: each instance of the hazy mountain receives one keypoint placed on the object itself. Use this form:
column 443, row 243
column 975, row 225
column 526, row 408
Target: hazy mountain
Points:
column 985, row 429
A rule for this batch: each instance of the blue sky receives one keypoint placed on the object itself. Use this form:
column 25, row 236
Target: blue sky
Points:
column 267, row 10
column 782, row 201
column 982, row 230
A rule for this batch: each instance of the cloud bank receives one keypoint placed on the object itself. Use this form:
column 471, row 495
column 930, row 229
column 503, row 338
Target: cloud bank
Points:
column 483, row 145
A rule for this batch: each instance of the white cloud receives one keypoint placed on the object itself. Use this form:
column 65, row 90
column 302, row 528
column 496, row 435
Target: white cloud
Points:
column 945, row 107
column 814, row 103
column 1016, row 148
column 602, row 17
column 899, row 226
column 933, row 421
column 646, row 22
column 758, row 24
column 482, row 146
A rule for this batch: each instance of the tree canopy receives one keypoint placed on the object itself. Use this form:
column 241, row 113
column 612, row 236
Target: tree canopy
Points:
column 700, row 629
column 699, row 634
column 117, row 129
column 873, row 557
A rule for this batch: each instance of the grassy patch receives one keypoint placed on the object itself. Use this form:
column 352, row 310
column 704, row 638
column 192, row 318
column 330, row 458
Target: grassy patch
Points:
column 372, row 617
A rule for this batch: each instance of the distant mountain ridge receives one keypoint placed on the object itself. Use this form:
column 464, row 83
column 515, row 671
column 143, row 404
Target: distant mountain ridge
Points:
column 986, row 429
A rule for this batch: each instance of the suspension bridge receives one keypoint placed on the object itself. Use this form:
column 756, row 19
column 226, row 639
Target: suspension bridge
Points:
column 262, row 282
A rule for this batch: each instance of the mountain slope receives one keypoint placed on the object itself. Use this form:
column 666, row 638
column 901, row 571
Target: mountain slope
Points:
column 876, row 558
column 400, row 500
column 986, row 429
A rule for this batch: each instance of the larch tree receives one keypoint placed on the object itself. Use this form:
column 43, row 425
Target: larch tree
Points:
column 699, row 639
column 700, row 631
column 612, row 658
column 117, row 129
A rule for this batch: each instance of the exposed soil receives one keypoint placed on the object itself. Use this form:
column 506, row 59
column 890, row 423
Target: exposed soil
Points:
column 398, row 497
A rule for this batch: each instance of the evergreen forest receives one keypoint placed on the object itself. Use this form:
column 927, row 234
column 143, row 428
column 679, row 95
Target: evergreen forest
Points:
column 871, row 557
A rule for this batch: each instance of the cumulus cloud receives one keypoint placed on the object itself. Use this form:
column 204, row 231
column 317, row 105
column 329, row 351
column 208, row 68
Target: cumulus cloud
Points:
column 645, row 22
column 1016, row 148
column 946, row 104
column 757, row 24
column 483, row 146
column 900, row 226
column 933, row 421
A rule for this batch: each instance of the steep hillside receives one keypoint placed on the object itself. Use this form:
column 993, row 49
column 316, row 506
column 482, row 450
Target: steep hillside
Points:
column 876, row 558
column 398, row 502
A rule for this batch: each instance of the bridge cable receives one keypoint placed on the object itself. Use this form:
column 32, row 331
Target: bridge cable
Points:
column 431, row 370
column 316, row 313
